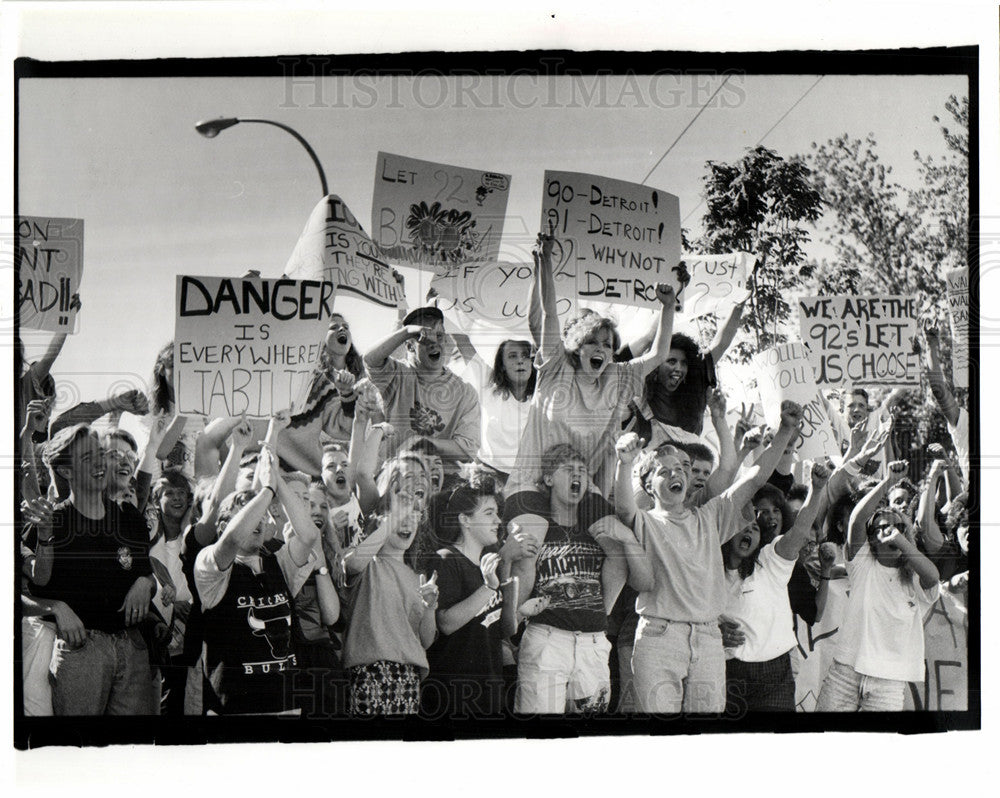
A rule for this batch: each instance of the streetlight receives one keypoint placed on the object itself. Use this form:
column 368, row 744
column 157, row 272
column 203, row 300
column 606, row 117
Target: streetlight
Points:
column 211, row 128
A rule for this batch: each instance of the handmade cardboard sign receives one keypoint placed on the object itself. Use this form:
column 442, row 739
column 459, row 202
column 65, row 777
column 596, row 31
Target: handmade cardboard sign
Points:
column 334, row 247
column 616, row 240
column 861, row 340
column 958, row 309
column 48, row 260
column 246, row 344
column 784, row 372
column 427, row 214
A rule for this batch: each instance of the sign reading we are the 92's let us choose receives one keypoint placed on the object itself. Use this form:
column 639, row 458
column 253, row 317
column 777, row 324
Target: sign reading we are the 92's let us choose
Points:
column 861, row 340
column 246, row 344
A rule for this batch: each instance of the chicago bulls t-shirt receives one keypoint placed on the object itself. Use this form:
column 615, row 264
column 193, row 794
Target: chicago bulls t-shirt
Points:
column 248, row 633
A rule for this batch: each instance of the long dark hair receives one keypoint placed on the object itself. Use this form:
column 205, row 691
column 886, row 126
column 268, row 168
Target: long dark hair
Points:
column 688, row 400
column 502, row 385
column 321, row 388
column 161, row 396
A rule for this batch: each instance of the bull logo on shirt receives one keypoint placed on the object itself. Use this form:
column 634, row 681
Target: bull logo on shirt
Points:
column 275, row 625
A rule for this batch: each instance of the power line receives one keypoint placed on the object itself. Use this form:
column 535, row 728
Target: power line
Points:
column 685, row 130
column 768, row 133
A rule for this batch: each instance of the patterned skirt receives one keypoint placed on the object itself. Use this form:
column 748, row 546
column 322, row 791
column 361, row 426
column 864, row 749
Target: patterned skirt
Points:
column 384, row 688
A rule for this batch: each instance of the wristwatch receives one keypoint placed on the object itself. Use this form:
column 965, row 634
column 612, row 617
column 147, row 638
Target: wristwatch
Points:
column 323, row 571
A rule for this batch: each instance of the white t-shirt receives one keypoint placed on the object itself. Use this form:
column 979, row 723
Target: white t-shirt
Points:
column 960, row 437
column 760, row 605
column 882, row 633
column 503, row 419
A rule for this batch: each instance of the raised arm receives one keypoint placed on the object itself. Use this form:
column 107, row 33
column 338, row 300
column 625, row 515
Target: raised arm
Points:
column 546, row 287
column 935, row 377
column 760, row 472
column 856, row 535
column 627, row 449
column 791, row 543
column 241, row 527
column 363, row 457
column 378, row 354
column 210, row 444
column 661, row 343
column 722, row 477
column 726, row 333
column 640, row 345
column 926, row 510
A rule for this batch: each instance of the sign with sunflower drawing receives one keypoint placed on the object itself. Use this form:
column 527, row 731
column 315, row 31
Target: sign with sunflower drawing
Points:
column 427, row 214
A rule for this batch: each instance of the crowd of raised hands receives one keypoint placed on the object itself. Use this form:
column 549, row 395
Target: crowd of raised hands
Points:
column 549, row 533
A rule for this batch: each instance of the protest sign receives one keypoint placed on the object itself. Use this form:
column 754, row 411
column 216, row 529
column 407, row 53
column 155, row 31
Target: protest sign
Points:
column 245, row 344
column 494, row 295
column 785, row 373
column 816, row 645
column 715, row 282
column 861, row 340
column 334, row 247
column 946, row 657
column 615, row 239
column 427, row 214
column 958, row 308
column 48, row 260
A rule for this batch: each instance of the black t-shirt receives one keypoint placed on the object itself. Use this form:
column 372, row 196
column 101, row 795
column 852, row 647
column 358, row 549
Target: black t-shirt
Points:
column 568, row 571
column 96, row 562
column 250, row 632
column 472, row 654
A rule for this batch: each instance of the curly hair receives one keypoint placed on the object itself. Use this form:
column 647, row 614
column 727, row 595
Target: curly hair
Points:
column 776, row 496
column 584, row 331
column 688, row 399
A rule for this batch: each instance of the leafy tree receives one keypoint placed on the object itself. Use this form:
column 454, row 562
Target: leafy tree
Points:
column 762, row 204
column 886, row 238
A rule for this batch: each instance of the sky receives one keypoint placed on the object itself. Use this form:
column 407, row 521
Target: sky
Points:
column 160, row 200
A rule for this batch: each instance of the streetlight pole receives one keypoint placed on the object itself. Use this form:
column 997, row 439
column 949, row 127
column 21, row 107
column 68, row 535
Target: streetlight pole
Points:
column 211, row 128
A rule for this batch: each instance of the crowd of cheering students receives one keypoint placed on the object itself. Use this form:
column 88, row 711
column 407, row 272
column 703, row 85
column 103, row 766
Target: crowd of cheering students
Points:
column 548, row 533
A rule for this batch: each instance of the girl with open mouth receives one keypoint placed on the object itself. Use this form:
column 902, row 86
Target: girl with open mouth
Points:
column 581, row 392
column 758, row 565
column 892, row 586
column 392, row 619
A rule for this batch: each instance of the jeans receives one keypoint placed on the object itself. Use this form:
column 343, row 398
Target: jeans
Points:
column 108, row 675
column 846, row 690
column 37, row 640
column 561, row 672
column 679, row 666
